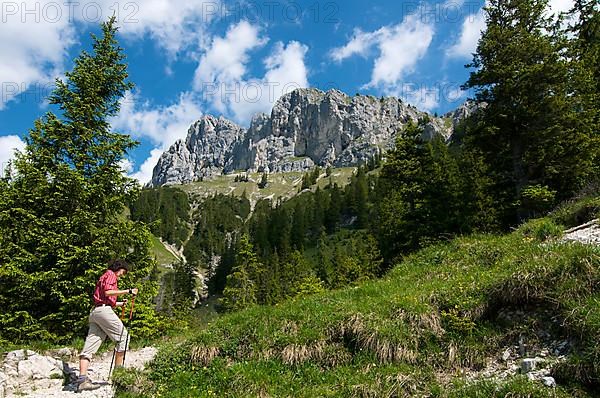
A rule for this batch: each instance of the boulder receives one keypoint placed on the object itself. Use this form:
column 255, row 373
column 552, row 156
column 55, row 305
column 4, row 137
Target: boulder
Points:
column 40, row 367
column 549, row 381
column 529, row 364
column 24, row 370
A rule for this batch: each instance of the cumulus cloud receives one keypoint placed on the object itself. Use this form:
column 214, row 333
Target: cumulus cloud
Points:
column 173, row 25
column 8, row 145
column 222, row 73
column 474, row 25
column 410, row 40
column 162, row 125
column 46, row 31
column 285, row 72
column 225, row 61
column 471, row 30
column 399, row 47
column 558, row 6
column 144, row 173
column 360, row 44
column 34, row 45
column 423, row 97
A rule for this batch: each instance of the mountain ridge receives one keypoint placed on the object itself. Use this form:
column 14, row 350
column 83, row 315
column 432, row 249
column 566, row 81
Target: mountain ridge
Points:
column 306, row 127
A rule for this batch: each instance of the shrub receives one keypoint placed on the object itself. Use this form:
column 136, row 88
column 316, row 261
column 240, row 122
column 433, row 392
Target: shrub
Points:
column 541, row 229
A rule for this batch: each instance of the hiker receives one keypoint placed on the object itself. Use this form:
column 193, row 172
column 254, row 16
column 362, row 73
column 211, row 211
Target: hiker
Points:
column 104, row 322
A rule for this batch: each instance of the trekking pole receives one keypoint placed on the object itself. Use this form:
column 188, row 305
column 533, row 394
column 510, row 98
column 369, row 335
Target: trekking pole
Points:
column 128, row 328
column 112, row 361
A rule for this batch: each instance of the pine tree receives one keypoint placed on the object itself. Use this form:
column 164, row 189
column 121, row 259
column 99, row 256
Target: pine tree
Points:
column 59, row 213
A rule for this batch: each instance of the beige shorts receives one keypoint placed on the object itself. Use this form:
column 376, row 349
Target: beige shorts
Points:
column 104, row 323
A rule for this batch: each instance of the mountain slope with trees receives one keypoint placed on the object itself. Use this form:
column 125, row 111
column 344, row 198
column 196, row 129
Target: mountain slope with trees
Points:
column 424, row 267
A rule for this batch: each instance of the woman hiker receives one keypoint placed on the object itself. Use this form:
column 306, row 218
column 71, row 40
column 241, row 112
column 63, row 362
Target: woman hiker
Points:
column 104, row 322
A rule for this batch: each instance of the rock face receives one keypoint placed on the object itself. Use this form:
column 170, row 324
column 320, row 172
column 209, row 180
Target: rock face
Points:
column 307, row 127
column 207, row 151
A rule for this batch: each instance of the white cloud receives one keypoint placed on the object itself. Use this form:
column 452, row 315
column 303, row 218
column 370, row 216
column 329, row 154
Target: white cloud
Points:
column 34, row 46
column 174, row 25
column 400, row 48
column 424, row 98
column 558, row 6
column 36, row 35
column 226, row 58
column 144, row 173
column 8, row 145
column 162, row 125
column 360, row 44
column 127, row 165
column 222, row 73
column 466, row 45
column 474, row 25
column 286, row 71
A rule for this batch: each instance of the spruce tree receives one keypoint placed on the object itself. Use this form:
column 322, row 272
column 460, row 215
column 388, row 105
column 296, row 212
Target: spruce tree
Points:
column 332, row 216
column 298, row 230
column 242, row 286
column 585, row 56
column 264, row 181
column 420, row 189
column 361, row 195
column 529, row 131
column 60, row 211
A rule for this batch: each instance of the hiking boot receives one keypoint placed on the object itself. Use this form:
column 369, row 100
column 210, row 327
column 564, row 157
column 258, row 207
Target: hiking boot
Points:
column 87, row 385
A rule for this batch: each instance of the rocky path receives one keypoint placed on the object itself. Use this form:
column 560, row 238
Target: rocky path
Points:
column 588, row 233
column 29, row 374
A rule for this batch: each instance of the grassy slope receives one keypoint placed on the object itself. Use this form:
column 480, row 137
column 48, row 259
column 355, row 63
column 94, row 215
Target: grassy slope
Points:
column 161, row 254
column 281, row 185
column 411, row 333
column 158, row 250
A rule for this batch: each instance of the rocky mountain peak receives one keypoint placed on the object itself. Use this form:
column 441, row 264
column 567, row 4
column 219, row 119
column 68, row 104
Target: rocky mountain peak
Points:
column 306, row 127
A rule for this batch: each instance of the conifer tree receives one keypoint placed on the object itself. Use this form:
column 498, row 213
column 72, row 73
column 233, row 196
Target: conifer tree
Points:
column 332, row 216
column 242, row 287
column 320, row 206
column 529, row 131
column 361, row 196
column 264, row 181
column 585, row 62
column 298, row 232
column 59, row 212
column 421, row 189
column 325, row 268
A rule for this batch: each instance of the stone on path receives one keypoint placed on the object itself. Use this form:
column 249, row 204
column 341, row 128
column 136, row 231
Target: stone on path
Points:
column 29, row 374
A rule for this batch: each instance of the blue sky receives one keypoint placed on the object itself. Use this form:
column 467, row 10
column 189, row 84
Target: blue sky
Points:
column 235, row 58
